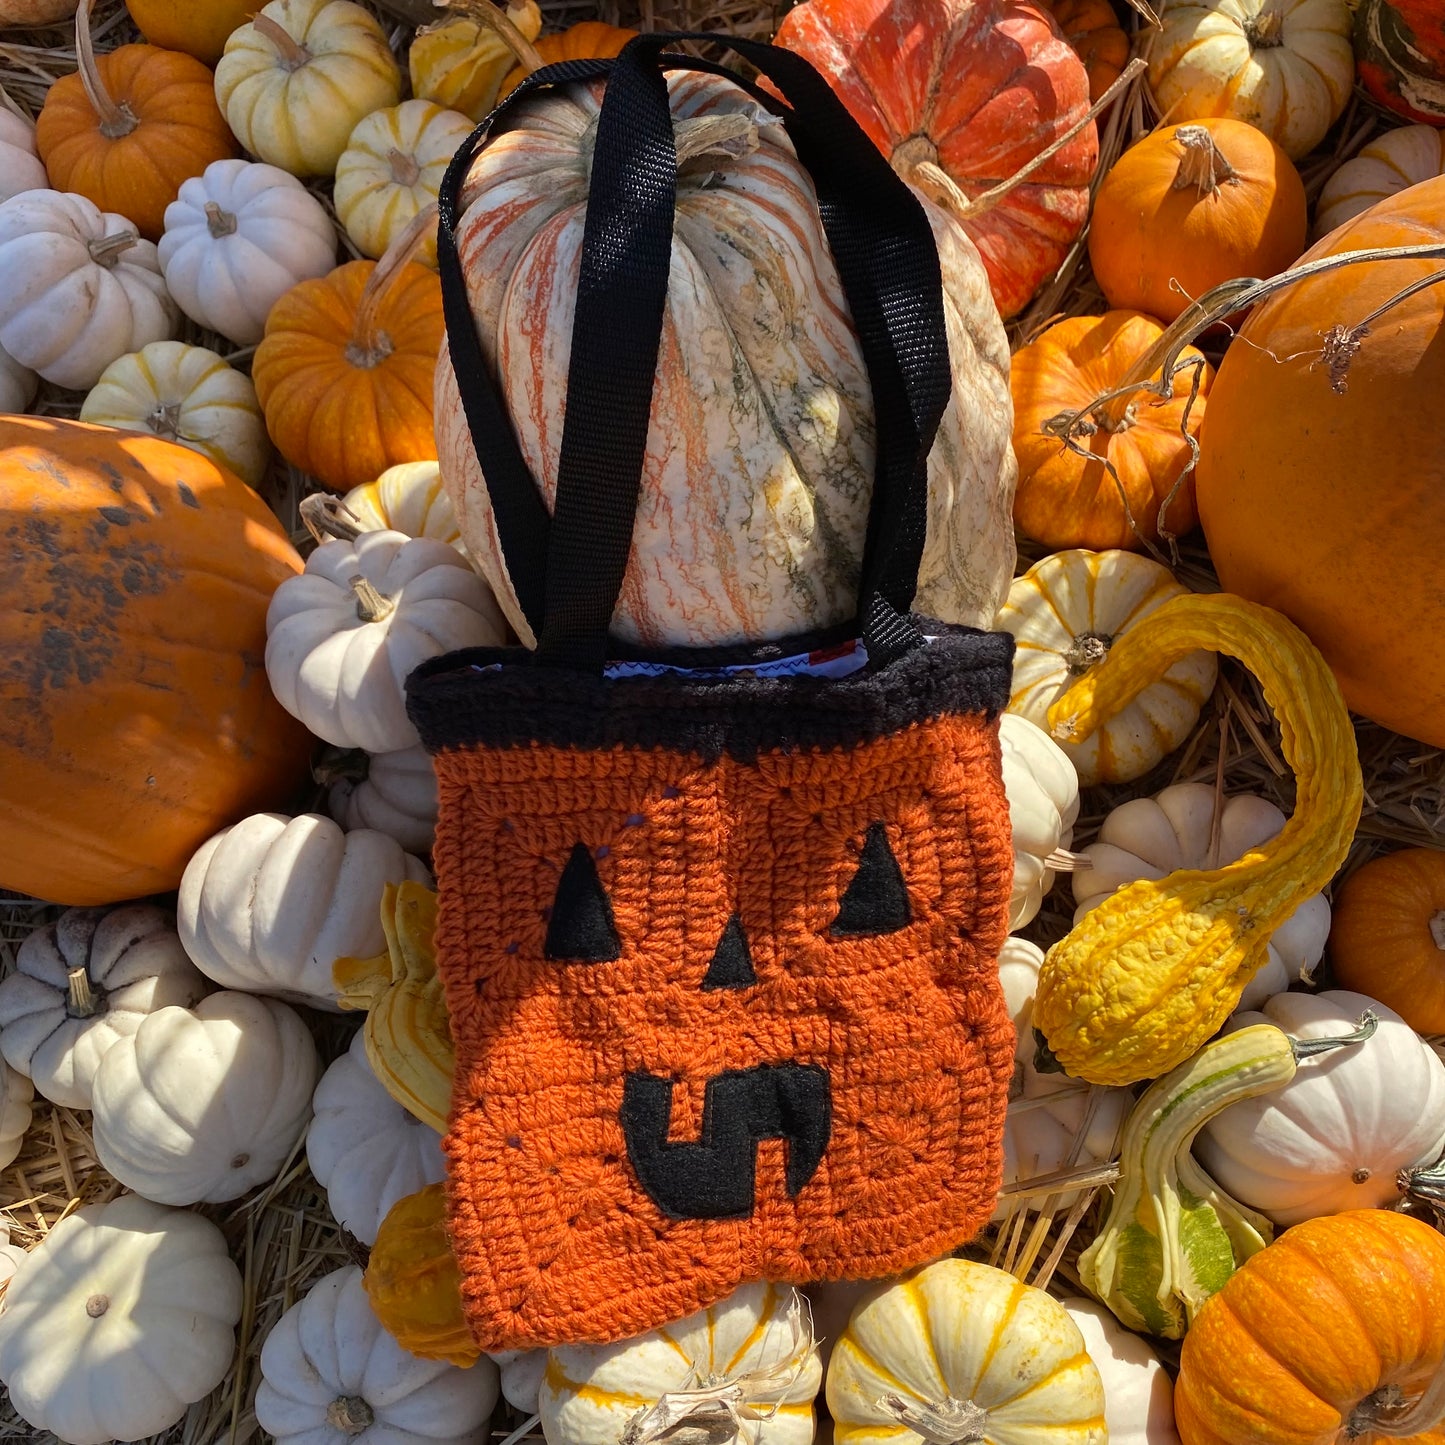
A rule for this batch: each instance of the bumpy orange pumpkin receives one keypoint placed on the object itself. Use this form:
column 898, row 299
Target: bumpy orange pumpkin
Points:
column 1387, row 938
column 127, row 128
column 587, row 40
column 413, row 1281
column 1067, row 495
column 135, row 717
column 961, row 95
column 1321, row 480
column 344, row 372
column 1192, row 206
column 1093, row 29
column 1311, row 1341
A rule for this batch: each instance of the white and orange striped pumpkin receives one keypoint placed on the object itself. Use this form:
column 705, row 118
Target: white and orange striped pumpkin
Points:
column 759, row 466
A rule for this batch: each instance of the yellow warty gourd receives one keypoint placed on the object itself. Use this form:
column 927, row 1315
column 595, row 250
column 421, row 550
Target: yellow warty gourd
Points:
column 1144, row 979
column 408, row 1035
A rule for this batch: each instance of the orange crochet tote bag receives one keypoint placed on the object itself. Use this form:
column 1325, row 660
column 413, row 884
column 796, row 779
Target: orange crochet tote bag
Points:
column 718, row 932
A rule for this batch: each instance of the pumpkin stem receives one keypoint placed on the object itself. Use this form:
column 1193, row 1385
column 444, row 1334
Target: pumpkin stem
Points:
column 107, row 250
column 371, row 605
column 921, row 169
column 325, row 517
column 165, row 420
column 947, row 1422
column 1385, row 1412
column 291, row 53
column 218, row 222
column 1202, row 165
column 1266, row 30
column 97, row 1305
column 500, row 24
column 115, row 120
column 350, row 1414
column 1308, row 1048
column 370, row 345
column 1087, row 650
column 85, row 999
column 404, row 169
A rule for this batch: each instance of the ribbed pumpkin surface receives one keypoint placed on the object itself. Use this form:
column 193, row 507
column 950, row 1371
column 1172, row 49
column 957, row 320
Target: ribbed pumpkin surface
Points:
column 135, row 716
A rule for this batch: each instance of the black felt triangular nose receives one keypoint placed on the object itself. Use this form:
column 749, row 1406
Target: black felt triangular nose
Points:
column 876, row 901
column 580, row 929
column 732, row 963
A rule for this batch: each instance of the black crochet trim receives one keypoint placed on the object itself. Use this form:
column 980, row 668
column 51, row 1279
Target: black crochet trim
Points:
column 456, row 706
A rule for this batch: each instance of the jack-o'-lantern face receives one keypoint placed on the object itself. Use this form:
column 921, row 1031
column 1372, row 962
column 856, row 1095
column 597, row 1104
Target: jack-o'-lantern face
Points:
column 718, row 1020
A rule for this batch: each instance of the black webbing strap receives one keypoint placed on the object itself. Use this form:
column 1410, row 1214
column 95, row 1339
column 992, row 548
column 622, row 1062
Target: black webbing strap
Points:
column 568, row 569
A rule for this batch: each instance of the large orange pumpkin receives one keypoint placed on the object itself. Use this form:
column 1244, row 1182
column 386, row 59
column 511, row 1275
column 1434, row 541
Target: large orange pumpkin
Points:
column 1387, row 937
column 135, row 716
column 1321, row 481
column 127, row 128
column 1192, row 206
column 962, row 94
column 1123, row 469
column 1310, row 1340
column 344, row 372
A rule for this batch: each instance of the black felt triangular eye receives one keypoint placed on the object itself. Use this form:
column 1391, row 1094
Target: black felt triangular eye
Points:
column 876, row 901
column 732, row 963
column 581, row 929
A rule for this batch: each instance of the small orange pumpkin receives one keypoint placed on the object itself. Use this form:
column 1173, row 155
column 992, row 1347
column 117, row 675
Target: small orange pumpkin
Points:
column 199, row 30
column 127, row 128
column 1311, row 1340
column 413, row 1281
column 1067, row 495
column 1093, row 29
column 135, row 716
column 1387, row 938
column 344, row 372
column 587, row 40
column 1192, row 206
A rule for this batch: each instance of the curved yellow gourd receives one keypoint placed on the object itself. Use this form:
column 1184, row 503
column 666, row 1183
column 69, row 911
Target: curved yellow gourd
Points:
column 408, row 1034
column 1145, row 978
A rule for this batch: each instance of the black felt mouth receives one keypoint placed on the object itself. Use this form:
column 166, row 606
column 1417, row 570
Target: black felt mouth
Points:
column 715, row 1178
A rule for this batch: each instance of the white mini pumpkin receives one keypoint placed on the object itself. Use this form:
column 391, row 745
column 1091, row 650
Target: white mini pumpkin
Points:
column 83, row 982
column 202, row 1105
column 189, row 395
column 121, row 1317
column 12, row 1256
column 1064, row 614
column 1337, row 1135
column 964, row 1352
column 392, row 168
column 293, row 86
column 238, row 236
column 17, row 1108
column 1138, row 1394
column 1152, row 837
column 20, row 167
column 1043, row 802
column 18, row 384
column 408, row 498
column 520, row 1373
column 1393, row 161
column 398, row 797
column 331, row 1375
column 1054, row 1123
column 269, row 904
column 757, row 1337
column 364, row 1149
column 342, row 637
column 81, row 287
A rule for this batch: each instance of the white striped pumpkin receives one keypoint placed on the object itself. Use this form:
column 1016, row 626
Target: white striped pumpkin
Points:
column 1393, row 161
column 189, row 395
column 757, row 1337
column 759, row 463
column 406, row 498
column 391, row 168
column 960, row 1351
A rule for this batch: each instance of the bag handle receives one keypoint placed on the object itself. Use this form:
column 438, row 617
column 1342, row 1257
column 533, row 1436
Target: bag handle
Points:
column 568, row 568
